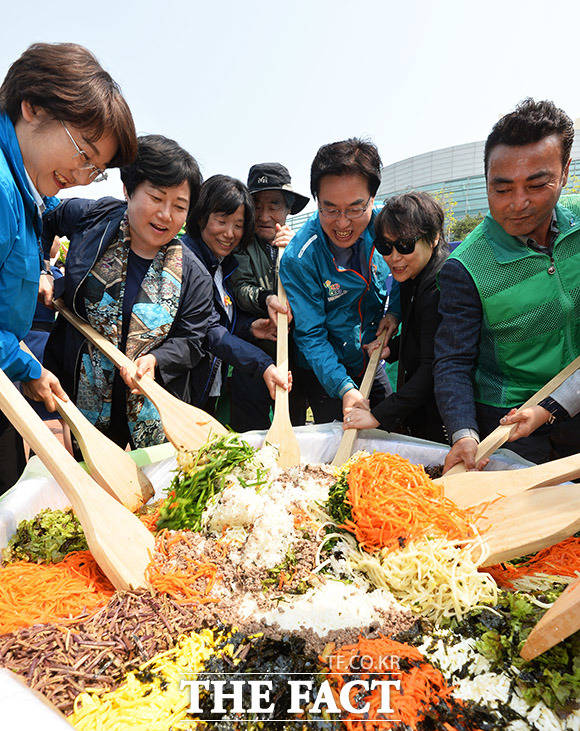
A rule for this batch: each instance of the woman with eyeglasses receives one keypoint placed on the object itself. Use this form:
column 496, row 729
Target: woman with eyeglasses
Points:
column 336, row 283
column 133, row 280
column 409, row 236
column 63, row 120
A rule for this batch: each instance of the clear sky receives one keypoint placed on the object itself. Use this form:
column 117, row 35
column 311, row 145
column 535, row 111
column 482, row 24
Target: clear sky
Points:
column 242, row 82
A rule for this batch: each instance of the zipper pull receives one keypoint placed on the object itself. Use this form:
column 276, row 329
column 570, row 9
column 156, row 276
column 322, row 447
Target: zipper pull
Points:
column 552, row 267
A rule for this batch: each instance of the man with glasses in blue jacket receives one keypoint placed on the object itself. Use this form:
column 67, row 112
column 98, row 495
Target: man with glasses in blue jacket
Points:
column 336, row 282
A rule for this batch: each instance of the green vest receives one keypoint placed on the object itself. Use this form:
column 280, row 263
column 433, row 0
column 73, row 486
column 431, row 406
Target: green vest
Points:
column 531, row 317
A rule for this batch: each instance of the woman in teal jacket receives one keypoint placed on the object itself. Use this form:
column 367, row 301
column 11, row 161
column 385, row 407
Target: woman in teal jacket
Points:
column 62, row 121
column 336, row 283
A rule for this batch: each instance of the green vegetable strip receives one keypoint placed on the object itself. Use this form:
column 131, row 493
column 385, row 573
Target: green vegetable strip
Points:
column 195, row 485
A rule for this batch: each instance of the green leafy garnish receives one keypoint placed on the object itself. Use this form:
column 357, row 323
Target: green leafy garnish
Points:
column 336, row 504
column 553, row 677
column 201, row 478
column 46, row 538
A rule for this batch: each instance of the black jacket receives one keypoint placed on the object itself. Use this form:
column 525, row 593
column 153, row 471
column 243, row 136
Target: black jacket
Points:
column 226, row 340
column 412, row 409
column 91, row 226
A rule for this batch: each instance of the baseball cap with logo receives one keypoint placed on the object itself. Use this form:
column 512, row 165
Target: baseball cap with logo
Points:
column 274, row 176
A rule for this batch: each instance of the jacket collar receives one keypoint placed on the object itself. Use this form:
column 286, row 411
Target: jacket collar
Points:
column 208, row 258
column 508, row 248
column 11, row 149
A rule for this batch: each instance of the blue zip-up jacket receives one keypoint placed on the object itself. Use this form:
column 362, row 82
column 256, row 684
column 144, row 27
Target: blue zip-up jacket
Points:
column 227, row 342
column 20, row 257
column 335, row 309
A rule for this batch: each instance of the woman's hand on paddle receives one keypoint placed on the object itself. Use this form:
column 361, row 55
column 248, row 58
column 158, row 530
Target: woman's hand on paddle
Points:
column 389, row 325
column 359, row 419
column 372, row 346
column 526, row 421
column 146, row 365
column 273, row 377
column 354, row 399
column 464, row 450
column 44, row 389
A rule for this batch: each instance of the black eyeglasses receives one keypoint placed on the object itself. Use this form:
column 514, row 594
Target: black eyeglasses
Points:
column 403, row 246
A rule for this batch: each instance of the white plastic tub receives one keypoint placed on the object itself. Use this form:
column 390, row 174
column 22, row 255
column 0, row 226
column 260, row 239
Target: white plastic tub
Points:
column 37, row 490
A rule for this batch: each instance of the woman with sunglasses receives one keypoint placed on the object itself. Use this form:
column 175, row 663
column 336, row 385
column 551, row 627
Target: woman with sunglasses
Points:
column 409, row 235
column 63, row 120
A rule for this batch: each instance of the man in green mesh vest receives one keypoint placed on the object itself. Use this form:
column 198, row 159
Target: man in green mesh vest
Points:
column 510, row 293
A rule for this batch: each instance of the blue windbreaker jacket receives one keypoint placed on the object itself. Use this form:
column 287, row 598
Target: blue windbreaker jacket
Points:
column 20, row 257
column 335, row 309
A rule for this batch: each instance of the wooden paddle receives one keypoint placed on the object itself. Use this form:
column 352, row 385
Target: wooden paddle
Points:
column 118, row 540
column 185, row 426
column 471, row 488
column 559, row 622
column 346, row 445
column 280, row 432
column 108, row 464
column 522, row 524
column 500, row 435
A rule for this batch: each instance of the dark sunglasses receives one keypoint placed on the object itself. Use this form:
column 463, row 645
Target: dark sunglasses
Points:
column 403, row 246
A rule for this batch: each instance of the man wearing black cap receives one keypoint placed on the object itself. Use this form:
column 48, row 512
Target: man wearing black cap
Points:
column 254, row 281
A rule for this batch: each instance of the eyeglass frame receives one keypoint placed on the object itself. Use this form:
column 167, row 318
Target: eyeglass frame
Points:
column 403, row 246
column 93, row 170
column 339, row 212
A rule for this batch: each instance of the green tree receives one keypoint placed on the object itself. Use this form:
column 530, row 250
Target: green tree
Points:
column 459, row 230
column 573, row 186
column 448, row 203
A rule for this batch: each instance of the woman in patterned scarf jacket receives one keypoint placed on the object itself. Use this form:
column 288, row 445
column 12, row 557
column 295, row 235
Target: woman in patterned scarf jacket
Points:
column 129, row 277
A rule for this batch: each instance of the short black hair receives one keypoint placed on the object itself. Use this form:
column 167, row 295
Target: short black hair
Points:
column 530, row 122
column 410, row 215
column 349, row 157
column 222, row 194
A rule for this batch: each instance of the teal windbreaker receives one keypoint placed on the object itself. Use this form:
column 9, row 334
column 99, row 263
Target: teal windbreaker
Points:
column 336, row 310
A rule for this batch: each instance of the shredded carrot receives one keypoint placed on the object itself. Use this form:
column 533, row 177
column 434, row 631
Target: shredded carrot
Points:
column 561, row 559
column 422, row 685
column 190, row 583
column 150, row 519
column 33, row 593
column 394, row 501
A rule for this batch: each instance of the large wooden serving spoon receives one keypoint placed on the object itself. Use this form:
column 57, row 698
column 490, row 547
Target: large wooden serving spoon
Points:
column 522, row 524
column 559, row 622
column 346, row 445
column 471, row 488
column 280, row 432
column 185, row 426
column 108, row 464
column 118, row 540
column 501, row 434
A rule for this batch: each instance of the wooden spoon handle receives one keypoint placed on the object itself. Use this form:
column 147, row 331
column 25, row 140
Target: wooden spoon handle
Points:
column 281, row 401
column 559, row 622
column 119, row 542
column 280, row 432
column 146, row 384
column 348, row 438
column 501, row 434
